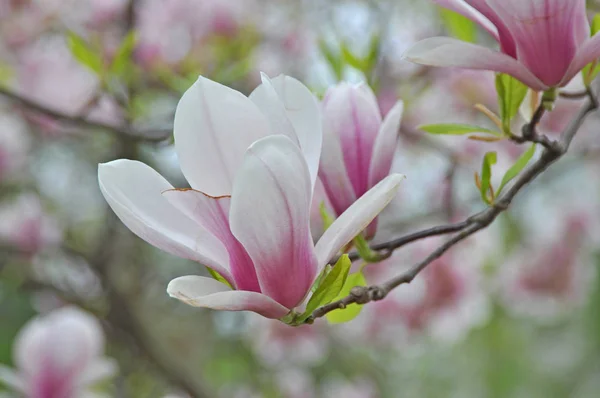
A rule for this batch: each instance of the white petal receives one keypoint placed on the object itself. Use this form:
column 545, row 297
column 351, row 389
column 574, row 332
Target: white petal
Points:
column 204, row 292
column 134, row 191
column 385, row 145
column 347, row 226
column 267, row 99
column 304, row 113
column 214, row 125
column 445, row 51
column 270, row 216
column 11, row 379
column 99, row 370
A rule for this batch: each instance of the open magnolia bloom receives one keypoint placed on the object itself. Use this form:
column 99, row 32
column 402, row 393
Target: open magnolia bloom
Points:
column 358, row 147
column 59, row 355
column 543, row 43
column 247, row 214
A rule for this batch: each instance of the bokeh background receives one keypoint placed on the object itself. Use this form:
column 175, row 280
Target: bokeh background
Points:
column 512, row 312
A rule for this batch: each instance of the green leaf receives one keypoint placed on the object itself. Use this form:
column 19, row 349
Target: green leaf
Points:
column 122, row 59
column 511, row 93
column 351, row 59
column 364, row 250
column 489, row 159
column 330, row 287
column 459, row 26
column 351, row 311
column 334, row 60
column 218, row 277
column 455, row 129
column 327, row 218
column 517, row 167
column 84, row 54
column 595, row 27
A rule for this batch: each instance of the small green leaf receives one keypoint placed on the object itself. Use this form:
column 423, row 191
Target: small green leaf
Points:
column 364, row 250
column 351, row 311
column 459, row 26
column 595, row 27
column 591, row 70
column 489, row 159
column 334, row 60
column 511, row 93
column 122, row 59
column 326, row 270
column 218, row 277
column 351, row 59
column 455, row 129
column 84, row 54
column 327, row 218
column 517, row 167
column 330, row 287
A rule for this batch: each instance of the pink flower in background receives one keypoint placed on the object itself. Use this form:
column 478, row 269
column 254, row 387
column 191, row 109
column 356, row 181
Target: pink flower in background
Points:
column 169, row 31
column 247, row 214
column 553, row 280
column 278, row 345
column 358, row 147
column 14, row 145
column 543, row 43
column 49, row 75
column 59, row 355
column 25, row 224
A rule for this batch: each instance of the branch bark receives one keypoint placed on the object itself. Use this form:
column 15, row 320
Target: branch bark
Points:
column 553, row 151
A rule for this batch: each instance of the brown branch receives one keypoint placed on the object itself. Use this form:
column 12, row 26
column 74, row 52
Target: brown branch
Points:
column 473, row 224
column 80, row 121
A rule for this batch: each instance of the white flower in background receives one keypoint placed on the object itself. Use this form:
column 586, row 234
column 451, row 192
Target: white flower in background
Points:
column 58, row 355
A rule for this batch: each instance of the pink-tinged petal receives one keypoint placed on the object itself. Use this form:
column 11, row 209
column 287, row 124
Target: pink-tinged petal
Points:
column 214, row 125
column 54, row 350
column 588, row 52
column 385, row 145
column 133, row 190
column 303, row 112
column 352, row 114
column 270, row 216
column 504, row 36
column 545, row 34
column 333, row 174
column 445, row 51
column 466, row 10
column 213, row 215
column 204, row 292
column 267, row 99
column 347, row 226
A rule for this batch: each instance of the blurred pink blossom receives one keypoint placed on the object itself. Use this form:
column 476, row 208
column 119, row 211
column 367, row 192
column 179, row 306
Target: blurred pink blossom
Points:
column 14, row 145
column 25, row 224
column 59, row 355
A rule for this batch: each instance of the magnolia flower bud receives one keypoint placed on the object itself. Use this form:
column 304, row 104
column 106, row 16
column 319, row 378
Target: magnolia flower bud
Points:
column 358, row 147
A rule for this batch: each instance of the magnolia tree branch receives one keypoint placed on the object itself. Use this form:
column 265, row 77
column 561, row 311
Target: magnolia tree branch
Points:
column 553, row 150
column 82, row 121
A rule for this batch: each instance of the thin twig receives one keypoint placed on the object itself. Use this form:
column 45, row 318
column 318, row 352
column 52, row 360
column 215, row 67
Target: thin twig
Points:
column 473, row 224
column 137, row 135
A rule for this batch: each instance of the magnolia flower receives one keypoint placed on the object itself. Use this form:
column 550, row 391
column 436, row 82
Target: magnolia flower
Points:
column 58, row 355
column 543, row 43
column 358, row 148
column 247, row 214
